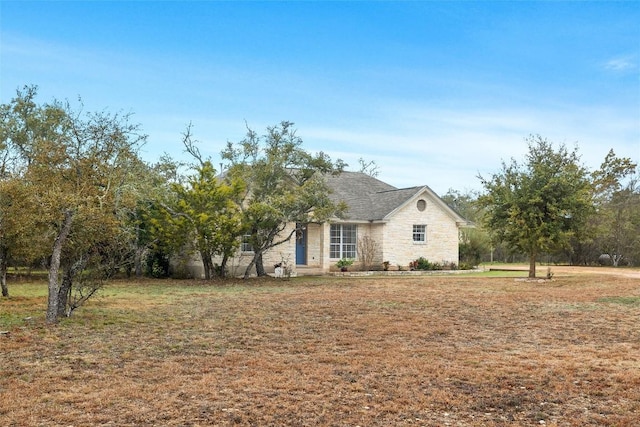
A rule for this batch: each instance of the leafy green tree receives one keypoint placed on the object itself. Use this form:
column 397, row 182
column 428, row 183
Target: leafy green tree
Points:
column 208, row 207
column 535, row 207
column 474, row 240
column 284, row 185
column 19, row 239
column 614, row 225
column 142, row 218
column 21, row 122
column 206, row 212
column 77, row 168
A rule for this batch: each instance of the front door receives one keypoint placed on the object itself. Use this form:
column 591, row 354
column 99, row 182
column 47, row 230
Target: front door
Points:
column 301, row 244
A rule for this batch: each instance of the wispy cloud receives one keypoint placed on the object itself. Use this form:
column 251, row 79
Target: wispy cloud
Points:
column 447, row 148
column 621, row 63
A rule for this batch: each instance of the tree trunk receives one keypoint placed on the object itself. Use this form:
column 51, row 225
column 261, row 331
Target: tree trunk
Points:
column 616, row 258
column 223, row 266
column 207, row 264
column 247, row 272
column 532, row 266
column 3, row 272
column 54, row 267
column 260, row 266
column 138, row 259
column 64, row 293
column 257, row 257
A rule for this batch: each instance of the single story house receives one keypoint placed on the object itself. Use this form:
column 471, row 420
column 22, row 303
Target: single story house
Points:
column 393, row 225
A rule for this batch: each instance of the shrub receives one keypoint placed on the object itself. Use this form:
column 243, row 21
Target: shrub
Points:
column 344, row 263
column 425, row 265
column 465, row 266
column 422, row 264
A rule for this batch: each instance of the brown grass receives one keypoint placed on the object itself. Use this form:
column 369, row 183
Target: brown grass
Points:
column 430, row 351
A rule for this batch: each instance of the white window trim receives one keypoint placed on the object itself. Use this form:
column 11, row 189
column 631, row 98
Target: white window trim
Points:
column 244, row 242
column 422, row 233
column 341, row 243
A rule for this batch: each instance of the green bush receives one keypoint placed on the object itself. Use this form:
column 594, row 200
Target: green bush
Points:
column 424, row 264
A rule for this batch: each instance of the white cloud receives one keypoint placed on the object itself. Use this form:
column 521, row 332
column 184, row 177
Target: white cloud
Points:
column 446, row 148
column 621, row 63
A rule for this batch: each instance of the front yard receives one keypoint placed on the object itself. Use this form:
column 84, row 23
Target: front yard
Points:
column 329, row 351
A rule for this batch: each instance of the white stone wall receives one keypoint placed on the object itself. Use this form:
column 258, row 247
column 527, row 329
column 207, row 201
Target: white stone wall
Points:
column 441, row 239
column 237, row 265
column 394, row 238
column 374, row 231
column 315, row 245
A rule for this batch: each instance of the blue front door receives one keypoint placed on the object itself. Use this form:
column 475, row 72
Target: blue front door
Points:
column 301, row 244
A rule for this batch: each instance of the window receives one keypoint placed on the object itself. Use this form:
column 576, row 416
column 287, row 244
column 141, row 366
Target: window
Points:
column 245, row 246
column 421, row 205
column 420, row 233
column 344, row 239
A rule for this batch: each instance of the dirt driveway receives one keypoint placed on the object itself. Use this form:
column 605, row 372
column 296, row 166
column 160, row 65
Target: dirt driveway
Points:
column 633, row 273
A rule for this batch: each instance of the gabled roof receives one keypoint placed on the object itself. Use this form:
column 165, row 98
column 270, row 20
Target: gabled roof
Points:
column 370, row 199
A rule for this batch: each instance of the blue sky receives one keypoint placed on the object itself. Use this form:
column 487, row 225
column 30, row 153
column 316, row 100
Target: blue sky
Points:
column 434, row 92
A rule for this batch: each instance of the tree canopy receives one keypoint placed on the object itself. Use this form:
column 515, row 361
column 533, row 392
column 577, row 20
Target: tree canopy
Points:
column 615, row 227
column 537, row 205
column 76, row 167
column 205, row 212
column 284, row 184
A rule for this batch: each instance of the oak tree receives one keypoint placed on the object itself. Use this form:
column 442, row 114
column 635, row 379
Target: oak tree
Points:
column 77, row 168
column 535, row 206
column 284, row 185
column 617, row 220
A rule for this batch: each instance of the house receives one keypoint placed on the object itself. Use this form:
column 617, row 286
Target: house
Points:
column 397, row 225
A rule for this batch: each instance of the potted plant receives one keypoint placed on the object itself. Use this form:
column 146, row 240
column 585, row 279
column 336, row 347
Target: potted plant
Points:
column 344, row 264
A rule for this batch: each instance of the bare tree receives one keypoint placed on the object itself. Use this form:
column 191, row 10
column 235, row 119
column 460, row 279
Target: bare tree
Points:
column 369, row 167
column 367, row 249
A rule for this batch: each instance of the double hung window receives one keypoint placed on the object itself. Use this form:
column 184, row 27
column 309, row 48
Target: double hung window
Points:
column 344, row 240
column 419, row 233
column 245, row 246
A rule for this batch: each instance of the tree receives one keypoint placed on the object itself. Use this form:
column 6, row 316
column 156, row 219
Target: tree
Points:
column 619, row 238
column 208, row 211
column 146, row 220
column 368, row 248
column 77, row 167
column 18, row 237
column 369, row 167
column 536, row 206
column 617, row 203
column 284, row 185
column 21, row 122
column 474, row 241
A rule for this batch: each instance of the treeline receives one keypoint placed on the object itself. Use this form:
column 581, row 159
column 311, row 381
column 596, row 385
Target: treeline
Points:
column 77, row 199
column 550, row 208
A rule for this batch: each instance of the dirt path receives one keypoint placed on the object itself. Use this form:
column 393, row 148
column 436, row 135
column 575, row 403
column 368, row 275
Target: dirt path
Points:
column 633, row 273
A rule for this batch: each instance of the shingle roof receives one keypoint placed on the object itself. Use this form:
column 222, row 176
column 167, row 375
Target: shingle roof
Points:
column 368, row 198
column 358, row 191
column 386, row 202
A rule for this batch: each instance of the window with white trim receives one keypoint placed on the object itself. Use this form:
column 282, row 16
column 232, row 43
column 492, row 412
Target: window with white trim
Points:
column 245, row 246
column 419, row 233
column 344, row 240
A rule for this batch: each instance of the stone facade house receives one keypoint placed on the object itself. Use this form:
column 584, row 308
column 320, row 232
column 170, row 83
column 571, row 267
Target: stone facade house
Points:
column 397, row 225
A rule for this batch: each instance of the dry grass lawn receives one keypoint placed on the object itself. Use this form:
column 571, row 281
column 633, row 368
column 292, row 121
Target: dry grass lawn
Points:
column 376, row 351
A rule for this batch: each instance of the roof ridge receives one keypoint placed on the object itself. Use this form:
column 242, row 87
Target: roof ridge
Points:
column 400, row 189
